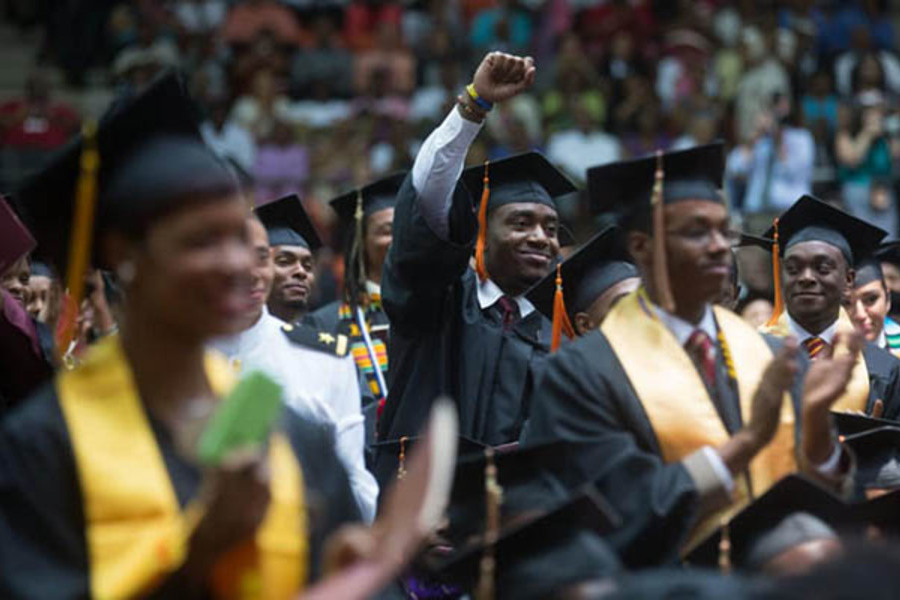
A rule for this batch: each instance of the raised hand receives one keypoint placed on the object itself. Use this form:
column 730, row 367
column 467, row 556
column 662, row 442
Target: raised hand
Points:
column 501, row 76
column 828, row 377
column 777, row 379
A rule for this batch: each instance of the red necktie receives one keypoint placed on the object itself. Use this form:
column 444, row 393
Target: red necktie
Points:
column 814, row 346
column 701, row 349
column 509, row 310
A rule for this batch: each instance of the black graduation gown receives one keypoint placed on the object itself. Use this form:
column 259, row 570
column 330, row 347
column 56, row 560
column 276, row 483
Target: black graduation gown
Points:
column 44, row 552
column 442, row 343
column 585, row 398
column 884, row 380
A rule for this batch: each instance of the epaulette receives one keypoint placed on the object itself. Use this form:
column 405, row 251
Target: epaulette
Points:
column 317, row 339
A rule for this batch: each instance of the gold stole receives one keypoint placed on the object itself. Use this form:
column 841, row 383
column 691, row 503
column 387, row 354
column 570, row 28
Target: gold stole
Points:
column 136, row 532
column 856, row 397
column 676, row 401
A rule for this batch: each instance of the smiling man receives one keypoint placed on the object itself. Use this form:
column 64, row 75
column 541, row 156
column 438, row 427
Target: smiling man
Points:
column 677, row 409
column 819, row 246
column 469, row 333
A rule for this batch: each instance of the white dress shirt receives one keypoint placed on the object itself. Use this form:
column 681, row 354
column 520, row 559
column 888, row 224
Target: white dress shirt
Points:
column 489, row 292
column 802, row 335
column 318, row 386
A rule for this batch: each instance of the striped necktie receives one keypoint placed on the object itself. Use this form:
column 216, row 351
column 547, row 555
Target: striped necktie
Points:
column 702, row 350
column 814, row 346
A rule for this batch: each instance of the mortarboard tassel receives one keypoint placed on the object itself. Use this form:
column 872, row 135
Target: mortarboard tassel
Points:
column 778, row 305
column 493, row 494
column 660, row 266
column 356, row 249
column 81, row 237
column 725, row 548
column 480, row 267
column 561, row 322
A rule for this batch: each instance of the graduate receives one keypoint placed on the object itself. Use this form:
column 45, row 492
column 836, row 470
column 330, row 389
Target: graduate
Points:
column 369, row 213
column 593, row 279
column 314, row 368
column 870, row 307
column 294, row 242
column 676, row 408
column 818, row 247
column 103, row 494
column 469, row 332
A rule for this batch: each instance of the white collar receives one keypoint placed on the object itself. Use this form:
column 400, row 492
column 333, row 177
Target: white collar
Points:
column 372, row 288
column 239, row 344
column 802, row 335
column 489, row 292
column 682, row 330
column 882, row 339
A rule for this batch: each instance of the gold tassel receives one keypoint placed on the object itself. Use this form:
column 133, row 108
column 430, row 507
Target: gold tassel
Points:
column 660, row 266
column 401, row 460
column 561, row 322
column 357, row 249
column 82, row 233
column 778, row 305
column 493, row 495
column 480, row 267
column 725, row 548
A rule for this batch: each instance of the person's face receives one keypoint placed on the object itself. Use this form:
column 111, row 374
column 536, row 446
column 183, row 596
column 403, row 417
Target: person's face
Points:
column 697, row 251
column 262, row 272
column 891, row 276
column 597, row 311
column 192, row 270
column 816, row 281
column 39, row 304
column 15, row 280
column 379, row 228
column 757, row 313
column 294, row 276
column 521, row 244
column 869, row 306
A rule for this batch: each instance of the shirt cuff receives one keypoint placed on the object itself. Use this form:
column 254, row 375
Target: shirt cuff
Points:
column 711, row 478
column 831, row 467
column 719, row 468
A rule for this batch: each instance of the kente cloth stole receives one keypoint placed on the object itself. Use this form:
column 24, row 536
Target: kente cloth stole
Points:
column 856, row 397
column 135, row 530
column 358, row 346
column 677, row 404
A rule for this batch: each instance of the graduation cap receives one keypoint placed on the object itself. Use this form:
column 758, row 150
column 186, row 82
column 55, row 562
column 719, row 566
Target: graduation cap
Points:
column 888, row 252
column 47, row 198
column 598, row 265
column 848, row 424
column 520, row 472
column 877, row 457
column 867, row 271
column 811, row 220
column 288, row 224
column 634, row 188
column 523, row 178
column 15, row 239
column 540, row 555
column 881, row 511
column 747, row 240
column 794, row 511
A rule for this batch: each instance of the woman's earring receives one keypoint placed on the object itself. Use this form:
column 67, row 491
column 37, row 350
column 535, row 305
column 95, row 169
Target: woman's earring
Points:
column 125, row 271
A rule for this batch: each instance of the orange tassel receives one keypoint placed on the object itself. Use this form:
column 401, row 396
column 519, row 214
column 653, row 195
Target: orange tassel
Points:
column 660, row 266
column 778, row 306
column 480, row 267
column 561, row 322
column 82, row 235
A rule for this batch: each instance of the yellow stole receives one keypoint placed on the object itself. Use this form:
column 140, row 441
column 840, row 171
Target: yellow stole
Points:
column 856, row 397
column 135, row 530
column 677, row 403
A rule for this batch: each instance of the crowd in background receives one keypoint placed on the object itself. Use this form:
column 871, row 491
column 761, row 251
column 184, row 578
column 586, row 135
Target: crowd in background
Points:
column 316, row 96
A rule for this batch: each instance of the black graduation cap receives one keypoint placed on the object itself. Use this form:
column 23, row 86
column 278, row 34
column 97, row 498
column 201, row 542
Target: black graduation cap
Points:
column 524, row 473
column 625, row 187
column 794, row 510
column 747, row 240
column 888, row 252
column 867, row 271
column 15, row 239
column 527, row 177
column 591, row 270
column 288, row 224
column 544, row 553
column 810, row 219
column 877, row 457
column 881, row 511
column 391, row 454
column 376, row 196
column 848, row 424
column 47, row 198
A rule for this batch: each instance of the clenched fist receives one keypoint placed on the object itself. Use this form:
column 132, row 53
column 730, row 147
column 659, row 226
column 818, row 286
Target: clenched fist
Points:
column 501, row 76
